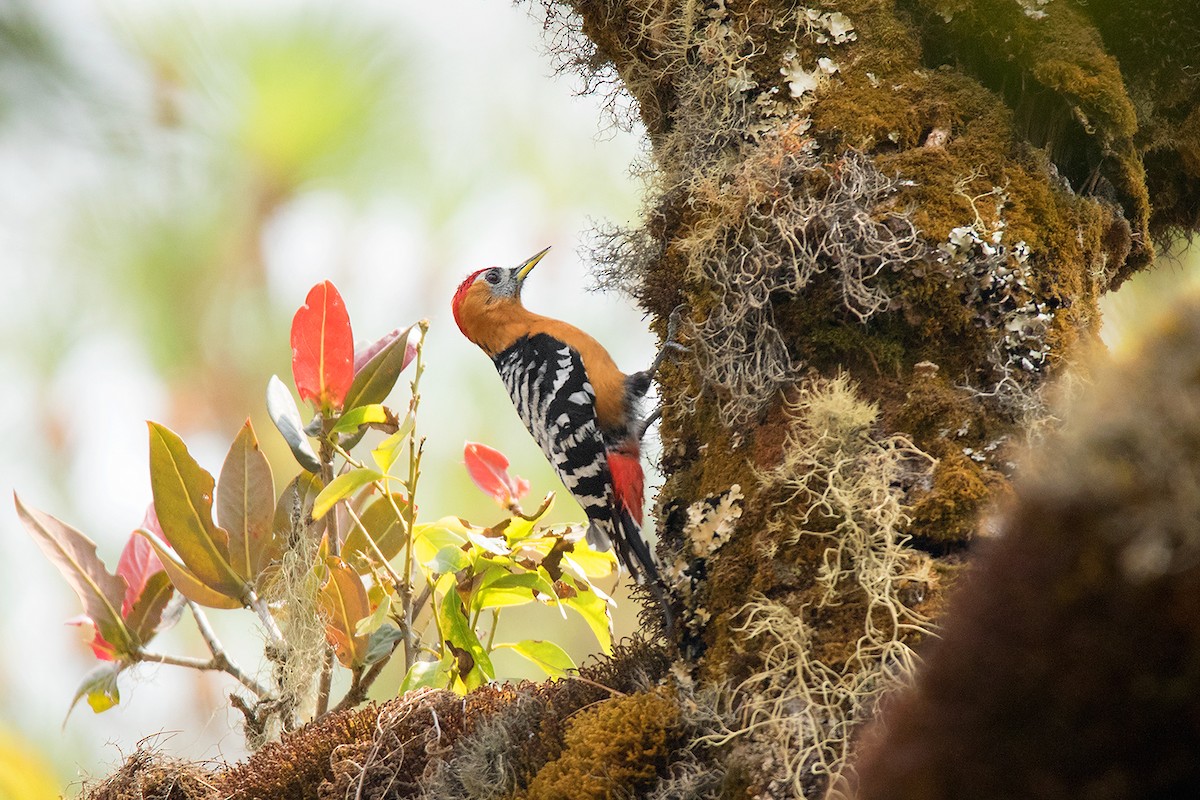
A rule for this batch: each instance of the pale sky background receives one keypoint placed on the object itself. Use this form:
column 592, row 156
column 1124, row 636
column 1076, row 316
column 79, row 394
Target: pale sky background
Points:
column 176, row 175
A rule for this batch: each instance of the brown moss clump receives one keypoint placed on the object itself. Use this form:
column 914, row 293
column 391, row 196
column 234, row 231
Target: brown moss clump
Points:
column 1069, row 664
column 950, row 509
column 411, row 734
column 149, row 776
column 295, row 767
column 614, row 749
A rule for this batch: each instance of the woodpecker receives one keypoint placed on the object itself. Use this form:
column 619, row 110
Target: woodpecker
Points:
column 578, row 406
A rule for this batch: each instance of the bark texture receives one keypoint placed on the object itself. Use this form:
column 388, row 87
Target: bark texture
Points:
column 889, row 223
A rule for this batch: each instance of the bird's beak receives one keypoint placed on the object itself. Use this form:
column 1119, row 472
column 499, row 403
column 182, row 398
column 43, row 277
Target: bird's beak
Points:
column 526, row 268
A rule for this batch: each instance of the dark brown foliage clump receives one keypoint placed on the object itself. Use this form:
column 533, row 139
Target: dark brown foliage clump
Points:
column 1069, row 665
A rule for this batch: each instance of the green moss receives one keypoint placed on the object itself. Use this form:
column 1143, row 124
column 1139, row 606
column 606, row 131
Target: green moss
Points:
column 614, row 749
column 1066, row 89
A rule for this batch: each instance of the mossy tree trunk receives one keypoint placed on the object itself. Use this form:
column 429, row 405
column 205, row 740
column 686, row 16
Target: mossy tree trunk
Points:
column 889, row 223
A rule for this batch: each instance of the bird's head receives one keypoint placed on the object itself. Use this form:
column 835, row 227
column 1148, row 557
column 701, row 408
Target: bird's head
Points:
column 486, row 292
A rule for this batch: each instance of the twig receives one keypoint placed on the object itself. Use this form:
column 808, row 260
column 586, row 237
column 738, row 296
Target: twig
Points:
column 361, row 682
column 218, row 663
column 219, row 656
column 326, row 684
column 264, row 615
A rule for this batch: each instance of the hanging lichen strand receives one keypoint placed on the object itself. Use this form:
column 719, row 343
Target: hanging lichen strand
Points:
column 890, row 223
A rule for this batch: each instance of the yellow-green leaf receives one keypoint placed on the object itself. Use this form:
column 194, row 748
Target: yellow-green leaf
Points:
column 183, row 498
column 342, row 487
column 547, row 656
column 587, row 563
column 428, row 675
column 382, row 523
column 450, row 558
column 472, row 664
column 595, row 612
column 428, row 540
column 99, row 686
column 500, row 589
column 246, row 503
column 389, row 449
column 186, row 581
column 355, row 418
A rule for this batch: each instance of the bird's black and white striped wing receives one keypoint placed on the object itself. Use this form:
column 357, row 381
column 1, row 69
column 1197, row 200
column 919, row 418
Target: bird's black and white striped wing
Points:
column 548, row 385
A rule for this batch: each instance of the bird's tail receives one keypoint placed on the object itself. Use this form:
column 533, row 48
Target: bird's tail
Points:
column 623, row 536
column 631, row 548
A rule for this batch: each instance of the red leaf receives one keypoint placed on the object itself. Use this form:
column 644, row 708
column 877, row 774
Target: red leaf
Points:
column 138, row 562
column 100, row 647
column 323, row 348
column 489, row 469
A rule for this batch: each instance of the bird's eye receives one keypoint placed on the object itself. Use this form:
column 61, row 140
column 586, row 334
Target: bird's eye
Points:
column 492, row 276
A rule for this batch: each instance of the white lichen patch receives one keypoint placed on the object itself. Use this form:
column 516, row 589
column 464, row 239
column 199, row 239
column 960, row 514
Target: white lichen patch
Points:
column 999, row 285
column 828, row 65
column 1034, row 9
column 799, row 80
column 827, row 27
column 711, row 520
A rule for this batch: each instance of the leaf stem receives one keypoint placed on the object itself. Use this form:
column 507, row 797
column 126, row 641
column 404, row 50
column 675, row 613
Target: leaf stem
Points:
column 495, row 624
column 371, row 541
column 414, row 463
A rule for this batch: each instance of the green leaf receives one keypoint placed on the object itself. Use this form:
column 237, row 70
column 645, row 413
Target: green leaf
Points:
column 500, row 589
column 186, row 581
column 382, row 643
column 74, row 554
column 587, row 563
column 595, row 612
column 389, row 449
column 368, row 625
column 342, row 487
column 496, row 545
column 547, row 656
column 450, row 558
column 282, row 409
column 428, row 675
column 246, row 503
column 381, row 523
column 146, row 613
column 472, row 664
column 344, row 601
column 353, row 419
column 99, row 686
column 374, row 380
column 428, row 540
column 183, row 498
